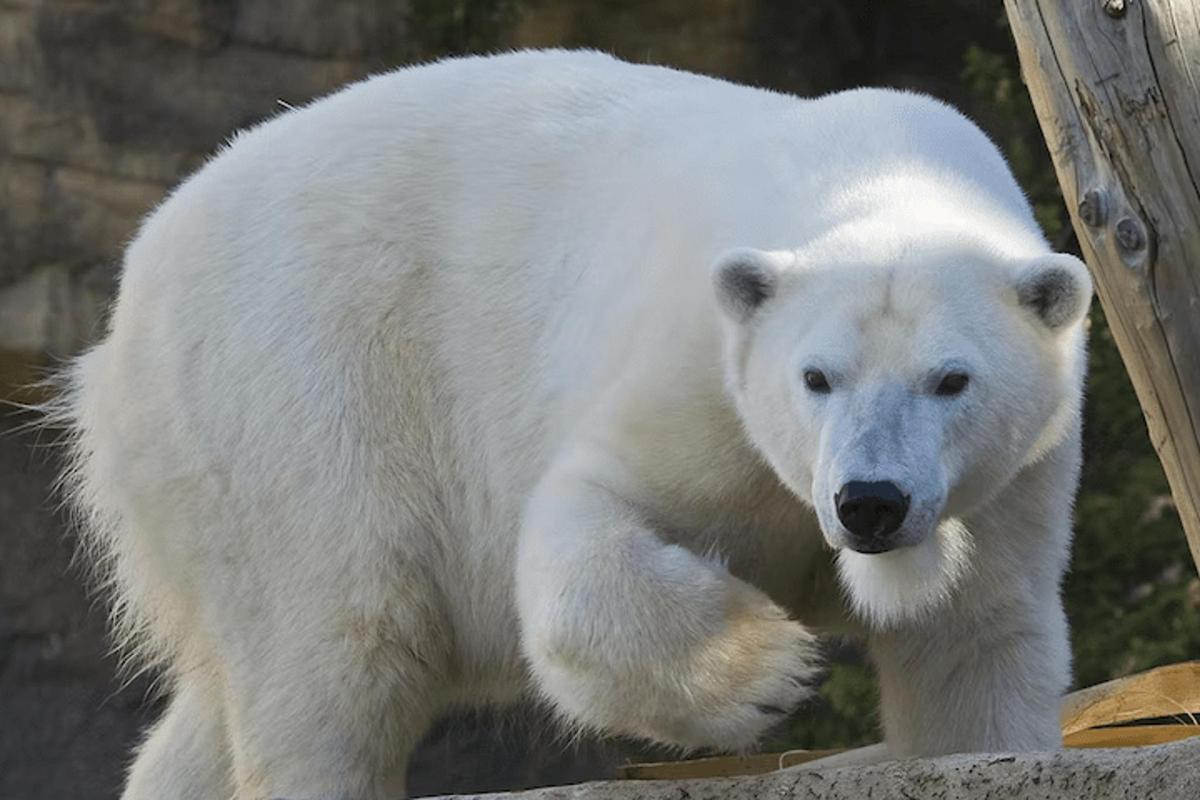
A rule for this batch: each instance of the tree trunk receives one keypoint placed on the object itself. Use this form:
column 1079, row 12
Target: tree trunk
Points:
column 1116, row 87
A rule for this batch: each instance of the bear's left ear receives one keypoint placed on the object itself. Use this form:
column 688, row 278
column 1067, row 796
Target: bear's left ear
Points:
column 1056, row 288
column 745, row 279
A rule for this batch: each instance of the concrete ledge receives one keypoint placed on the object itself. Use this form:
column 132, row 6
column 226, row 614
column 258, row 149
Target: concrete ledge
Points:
column 1161, row 772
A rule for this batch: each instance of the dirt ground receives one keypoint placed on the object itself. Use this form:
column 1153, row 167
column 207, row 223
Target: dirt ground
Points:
column 67, row 726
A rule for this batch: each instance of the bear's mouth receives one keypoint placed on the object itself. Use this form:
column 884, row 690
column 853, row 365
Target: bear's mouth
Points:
column 871, row 546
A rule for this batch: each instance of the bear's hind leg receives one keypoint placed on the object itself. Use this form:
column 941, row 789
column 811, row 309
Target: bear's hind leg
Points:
column 186, row 755
column 332, row 708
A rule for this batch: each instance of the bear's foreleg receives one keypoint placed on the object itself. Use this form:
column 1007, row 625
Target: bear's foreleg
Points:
column 628, row 634
column 987, row 680
column 986, row 671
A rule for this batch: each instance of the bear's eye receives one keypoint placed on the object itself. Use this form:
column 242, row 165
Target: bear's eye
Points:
column 816, row 381
column 953, row 384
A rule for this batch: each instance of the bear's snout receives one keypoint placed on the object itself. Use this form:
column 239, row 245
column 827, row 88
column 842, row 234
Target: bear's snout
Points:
column 871, row 512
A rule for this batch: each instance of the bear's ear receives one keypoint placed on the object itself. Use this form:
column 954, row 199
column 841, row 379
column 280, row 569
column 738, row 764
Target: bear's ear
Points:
column 1056, row 289
column 746, row 278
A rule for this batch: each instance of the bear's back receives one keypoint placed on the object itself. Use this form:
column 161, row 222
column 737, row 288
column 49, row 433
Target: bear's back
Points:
column 509, row 233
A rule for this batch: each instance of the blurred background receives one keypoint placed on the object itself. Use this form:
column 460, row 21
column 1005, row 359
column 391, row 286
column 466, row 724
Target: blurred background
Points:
column 105, row 105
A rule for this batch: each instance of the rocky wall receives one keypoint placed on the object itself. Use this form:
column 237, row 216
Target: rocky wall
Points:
column 105, row 105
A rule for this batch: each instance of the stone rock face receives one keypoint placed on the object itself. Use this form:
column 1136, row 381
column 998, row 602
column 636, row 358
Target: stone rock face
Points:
column 1163, row 772
column 105, row 104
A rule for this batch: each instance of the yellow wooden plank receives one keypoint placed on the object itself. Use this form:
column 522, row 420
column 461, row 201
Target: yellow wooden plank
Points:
column 1170, row 691
column 1131, row 735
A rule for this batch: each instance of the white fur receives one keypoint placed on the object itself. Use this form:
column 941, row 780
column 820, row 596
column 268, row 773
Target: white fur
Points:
column 909, row 582
column 421, row 396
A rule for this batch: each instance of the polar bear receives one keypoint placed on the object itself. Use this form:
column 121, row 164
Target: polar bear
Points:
column 548, row 374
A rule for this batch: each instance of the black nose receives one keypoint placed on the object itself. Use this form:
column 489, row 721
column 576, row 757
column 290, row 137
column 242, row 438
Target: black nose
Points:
column 871, row 512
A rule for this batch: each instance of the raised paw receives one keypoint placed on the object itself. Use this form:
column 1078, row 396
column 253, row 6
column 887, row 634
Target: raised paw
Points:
column 722, row 691
column 743, row 681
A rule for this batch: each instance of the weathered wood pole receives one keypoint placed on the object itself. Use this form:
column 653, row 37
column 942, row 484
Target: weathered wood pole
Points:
column 1116, row 87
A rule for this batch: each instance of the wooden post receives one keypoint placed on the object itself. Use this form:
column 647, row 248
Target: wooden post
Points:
column 1116, row 87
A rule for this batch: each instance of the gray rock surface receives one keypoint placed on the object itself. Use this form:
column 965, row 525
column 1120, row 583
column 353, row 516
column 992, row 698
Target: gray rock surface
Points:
column 104, row 105
column 1163, row 772
column 66, row 724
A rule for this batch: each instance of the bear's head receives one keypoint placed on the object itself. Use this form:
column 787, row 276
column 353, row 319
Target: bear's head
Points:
column 895, row 389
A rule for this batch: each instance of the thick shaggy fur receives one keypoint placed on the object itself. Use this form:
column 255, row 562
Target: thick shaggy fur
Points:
column 484, row 377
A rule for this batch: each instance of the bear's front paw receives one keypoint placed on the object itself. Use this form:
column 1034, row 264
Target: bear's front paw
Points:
column 723, row 690
column 740, row 682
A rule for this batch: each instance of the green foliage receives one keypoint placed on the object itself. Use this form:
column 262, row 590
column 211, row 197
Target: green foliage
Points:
column 842, row 715
column 1001, row 100
column 1132, row 595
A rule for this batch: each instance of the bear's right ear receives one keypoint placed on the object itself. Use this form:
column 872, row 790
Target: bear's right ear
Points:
column 746, row 278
